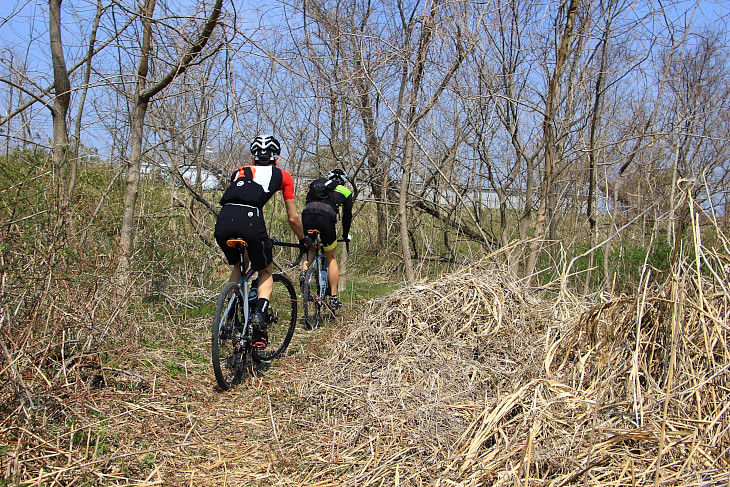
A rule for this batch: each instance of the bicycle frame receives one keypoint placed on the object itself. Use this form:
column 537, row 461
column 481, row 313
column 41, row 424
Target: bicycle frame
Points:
column 319, row 262
column 244, row 284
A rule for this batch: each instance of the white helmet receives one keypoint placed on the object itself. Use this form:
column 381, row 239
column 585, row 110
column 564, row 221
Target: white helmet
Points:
column 338, row 175
column 265, row 149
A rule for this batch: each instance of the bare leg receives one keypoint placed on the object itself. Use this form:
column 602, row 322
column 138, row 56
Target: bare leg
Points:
column 309, row 260
column 266, row 282
column 235, row 273
column 333, row 270
column 236, row 269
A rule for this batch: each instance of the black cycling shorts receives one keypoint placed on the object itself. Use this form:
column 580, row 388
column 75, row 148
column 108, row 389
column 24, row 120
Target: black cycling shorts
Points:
column 247, row 223
column 325, row 225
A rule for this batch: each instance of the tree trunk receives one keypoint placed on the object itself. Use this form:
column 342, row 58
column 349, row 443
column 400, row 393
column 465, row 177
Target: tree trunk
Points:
column 62, row 100
column 673, row 189
column 403, row 211
column 342, row 264
column 547, row 183
column 131, row 188
column 592, row 164
column 375, row 161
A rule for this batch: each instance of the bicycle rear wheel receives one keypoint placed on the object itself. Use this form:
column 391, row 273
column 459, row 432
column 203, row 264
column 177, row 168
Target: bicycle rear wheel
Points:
column 312, row 296
column 229, row 357
column 282, row 319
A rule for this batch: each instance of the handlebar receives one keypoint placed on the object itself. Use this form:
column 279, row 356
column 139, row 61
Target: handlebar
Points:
column 302, row 250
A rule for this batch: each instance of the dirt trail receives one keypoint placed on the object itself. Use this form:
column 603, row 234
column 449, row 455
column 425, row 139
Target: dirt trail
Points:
column 198, row 435
column 157, row 419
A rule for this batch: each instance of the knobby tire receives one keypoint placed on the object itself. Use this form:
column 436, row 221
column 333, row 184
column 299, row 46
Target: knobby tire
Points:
column 229, row 357
column 282, row 316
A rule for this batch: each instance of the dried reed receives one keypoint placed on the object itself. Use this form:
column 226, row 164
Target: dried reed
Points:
column 470, row 380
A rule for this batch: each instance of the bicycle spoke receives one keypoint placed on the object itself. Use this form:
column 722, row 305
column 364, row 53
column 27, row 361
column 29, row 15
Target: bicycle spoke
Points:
column 282, row 316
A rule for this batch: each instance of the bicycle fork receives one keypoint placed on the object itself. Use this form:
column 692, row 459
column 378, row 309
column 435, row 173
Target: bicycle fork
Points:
column 322, row 275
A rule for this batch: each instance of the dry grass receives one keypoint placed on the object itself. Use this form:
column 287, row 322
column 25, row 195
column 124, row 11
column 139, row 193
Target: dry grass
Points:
column 466, row 380
column 469, row 380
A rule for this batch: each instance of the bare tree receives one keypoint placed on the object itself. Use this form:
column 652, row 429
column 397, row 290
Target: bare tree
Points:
column 500, row 98
column 415, row 111
column 186, row 121
column 696, row 81
column 143, row 95
column 340, row 67
column 603, row 50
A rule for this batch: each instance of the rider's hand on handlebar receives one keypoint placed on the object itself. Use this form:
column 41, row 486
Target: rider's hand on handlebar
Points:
column 306, row 242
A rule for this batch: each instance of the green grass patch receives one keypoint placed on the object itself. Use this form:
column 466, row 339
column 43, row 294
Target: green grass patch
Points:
column 174, row 370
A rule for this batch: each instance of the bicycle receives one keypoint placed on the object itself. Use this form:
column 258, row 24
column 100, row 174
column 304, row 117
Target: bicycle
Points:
column 315, row 286
column 232, row 336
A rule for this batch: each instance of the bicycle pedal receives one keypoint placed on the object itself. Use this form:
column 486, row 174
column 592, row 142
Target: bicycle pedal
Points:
column 259, row 345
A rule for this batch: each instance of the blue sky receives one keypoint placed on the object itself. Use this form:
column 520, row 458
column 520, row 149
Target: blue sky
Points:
column 23, row 30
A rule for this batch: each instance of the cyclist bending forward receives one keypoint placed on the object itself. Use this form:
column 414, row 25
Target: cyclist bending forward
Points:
column 324, row 198
column 241, row 216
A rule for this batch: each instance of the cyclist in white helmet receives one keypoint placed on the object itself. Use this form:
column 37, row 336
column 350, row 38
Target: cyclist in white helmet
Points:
column 241, row 216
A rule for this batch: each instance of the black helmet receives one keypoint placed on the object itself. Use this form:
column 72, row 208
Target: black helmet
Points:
column 338, row 175
column 265, row 149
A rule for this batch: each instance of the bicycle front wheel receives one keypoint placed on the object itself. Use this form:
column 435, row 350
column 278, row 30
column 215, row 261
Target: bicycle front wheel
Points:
column 229, row 357
column 282, row 319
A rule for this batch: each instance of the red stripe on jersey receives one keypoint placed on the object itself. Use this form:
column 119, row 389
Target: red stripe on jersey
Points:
column 287, row 185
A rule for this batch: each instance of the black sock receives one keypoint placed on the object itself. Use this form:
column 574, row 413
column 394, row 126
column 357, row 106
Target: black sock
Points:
column 262, row 304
